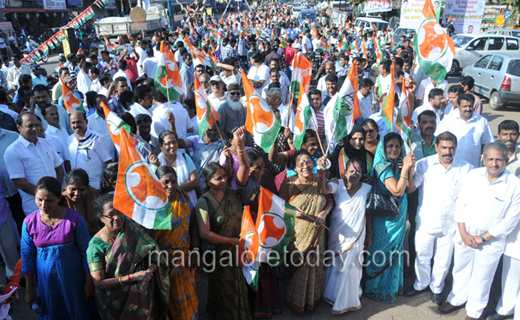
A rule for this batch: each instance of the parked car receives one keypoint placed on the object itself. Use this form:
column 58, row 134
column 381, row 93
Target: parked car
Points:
column 471, row 47
column 505, row 32
column 497, row 77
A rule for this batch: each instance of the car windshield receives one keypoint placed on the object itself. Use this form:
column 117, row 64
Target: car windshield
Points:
column 460, row 41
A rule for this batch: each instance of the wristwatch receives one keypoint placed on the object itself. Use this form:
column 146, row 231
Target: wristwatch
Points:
column 482, row 238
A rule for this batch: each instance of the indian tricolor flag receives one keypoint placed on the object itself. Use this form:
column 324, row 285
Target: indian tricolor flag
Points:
column 301, row 75
column 139, row 194
column 435, row 49
column 387, row 113
column 261, row 121
column 114, row 125
column 167, row 77
column 72, row 100
column 206, row 114
column 404, row 117
column 302, row 118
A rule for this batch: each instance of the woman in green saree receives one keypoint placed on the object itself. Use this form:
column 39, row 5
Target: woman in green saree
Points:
column 307, row 274
column 219, row 215
column 126, row 287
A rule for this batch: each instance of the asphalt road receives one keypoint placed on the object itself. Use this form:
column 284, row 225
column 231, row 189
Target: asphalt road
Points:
column 416, row 308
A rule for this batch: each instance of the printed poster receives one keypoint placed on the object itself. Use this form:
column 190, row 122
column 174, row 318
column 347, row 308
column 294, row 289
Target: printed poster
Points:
column 54, row 5
column 466, row 15
column 411, row 12
column 493, row 18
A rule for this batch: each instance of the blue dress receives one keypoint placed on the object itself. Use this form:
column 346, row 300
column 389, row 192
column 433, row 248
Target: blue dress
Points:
column 385, row 259
column 58, row 259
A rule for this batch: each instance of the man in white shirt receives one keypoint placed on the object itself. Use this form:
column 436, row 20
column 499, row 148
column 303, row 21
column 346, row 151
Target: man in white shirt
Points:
column 41, row 98
column 160, row 122
column 29, row 159
column 16, row 71
column 453, row 94
column 471, row 129
column 122, row 72
column 428, row 84
column 509, row 302
column 98, row 123
column 259, row 72
column 52, row 116
column 83, row 80
column 59, row 146
column 93, row 74
column 437, row 177
column 149, row 66
column 384, row 80
column 274, row 77
column 307, row 43
column 143, row 101
column 89, row 150
column 218, row 96
column 364, row 95
column 435, row 103
column 487, row 210
column 143, row 55
column 330, row 68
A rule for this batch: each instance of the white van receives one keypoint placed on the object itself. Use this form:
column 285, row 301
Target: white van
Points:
column 471, row 47
column 367, row 22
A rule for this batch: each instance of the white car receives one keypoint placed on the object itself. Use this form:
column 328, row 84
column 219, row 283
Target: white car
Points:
column 471, row 47
column 367, row 22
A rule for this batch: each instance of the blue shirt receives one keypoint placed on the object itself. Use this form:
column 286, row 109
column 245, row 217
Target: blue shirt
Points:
column 19, row 102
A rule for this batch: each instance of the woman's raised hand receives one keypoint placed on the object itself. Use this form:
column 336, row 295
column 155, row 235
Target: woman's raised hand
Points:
column 154, row 160
column 240, row 137
column 322, row 162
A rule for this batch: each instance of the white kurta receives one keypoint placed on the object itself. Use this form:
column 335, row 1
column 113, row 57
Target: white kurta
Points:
column 347, row 229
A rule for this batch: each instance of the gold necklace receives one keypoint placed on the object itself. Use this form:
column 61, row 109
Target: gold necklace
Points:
column 110, row 239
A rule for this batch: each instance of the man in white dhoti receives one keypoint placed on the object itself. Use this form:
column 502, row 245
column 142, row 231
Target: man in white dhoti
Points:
column 509, row 302
column 487, row 210
column 438, row 178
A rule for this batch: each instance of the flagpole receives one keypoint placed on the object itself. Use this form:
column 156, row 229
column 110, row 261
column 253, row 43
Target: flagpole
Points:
column 331, row 137
column 220, row 133
column 319, row 140
column 290, row 109
column 144, row 146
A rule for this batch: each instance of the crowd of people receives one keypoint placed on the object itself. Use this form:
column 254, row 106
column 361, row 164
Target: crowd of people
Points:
column 83, row 258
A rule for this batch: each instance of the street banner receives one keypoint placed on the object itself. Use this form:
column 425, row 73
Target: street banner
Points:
column 378, row 6
column 466, row 16
column 411, row 12
column 494, row 17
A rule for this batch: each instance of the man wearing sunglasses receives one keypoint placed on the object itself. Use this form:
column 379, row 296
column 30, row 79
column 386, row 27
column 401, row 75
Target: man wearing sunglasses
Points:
column 232, row 112
column 218, row 96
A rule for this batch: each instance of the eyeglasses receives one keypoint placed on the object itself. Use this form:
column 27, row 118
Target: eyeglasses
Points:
column 204, row 82
column 215, row 84
column 112, row 217
column 234, row 93
column 439, row 99
column 305, row 164
column 370, row 131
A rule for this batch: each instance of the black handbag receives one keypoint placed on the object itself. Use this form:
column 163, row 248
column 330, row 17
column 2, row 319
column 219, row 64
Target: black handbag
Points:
column 379, row 204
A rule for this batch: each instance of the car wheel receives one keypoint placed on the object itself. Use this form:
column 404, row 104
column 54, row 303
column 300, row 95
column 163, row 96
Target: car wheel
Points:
column 494, row 101
column 455, row 69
